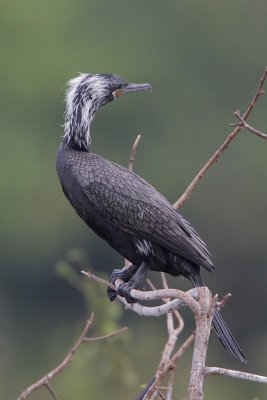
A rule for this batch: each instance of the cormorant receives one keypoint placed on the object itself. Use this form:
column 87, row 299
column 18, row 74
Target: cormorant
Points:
column 121, row 207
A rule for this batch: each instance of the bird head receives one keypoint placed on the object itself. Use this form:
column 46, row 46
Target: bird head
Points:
column 85, row 94
column 100, row 89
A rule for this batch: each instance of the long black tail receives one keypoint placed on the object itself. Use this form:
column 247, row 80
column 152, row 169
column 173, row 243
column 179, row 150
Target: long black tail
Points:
column 226, row 337
column 221, row 328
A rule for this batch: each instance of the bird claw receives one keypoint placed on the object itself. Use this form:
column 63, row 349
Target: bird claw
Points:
column 125, row 274
column 124, row 291
column 112, row 294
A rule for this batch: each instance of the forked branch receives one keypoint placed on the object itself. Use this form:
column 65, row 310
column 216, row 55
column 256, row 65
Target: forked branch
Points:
column 245, row 125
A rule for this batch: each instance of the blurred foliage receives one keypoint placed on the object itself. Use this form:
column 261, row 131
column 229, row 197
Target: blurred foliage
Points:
column 204, row 60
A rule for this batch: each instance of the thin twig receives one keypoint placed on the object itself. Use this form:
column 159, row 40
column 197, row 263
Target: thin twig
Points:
column 170, row 367
column 151, row 284
column 223, row 301
column 182, row 349
column 235, row 374
column 163, row 368
column 132, row 155
column 160, row 395
column 94, row 339
column 50, row 390
column 44, row 381
column 99, row 280
column 186, row 195
column 127, row 263
column 250, row 128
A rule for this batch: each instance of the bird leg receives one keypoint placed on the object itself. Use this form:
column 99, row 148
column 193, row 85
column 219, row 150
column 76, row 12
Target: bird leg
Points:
column 125, row 274
column 136, row 282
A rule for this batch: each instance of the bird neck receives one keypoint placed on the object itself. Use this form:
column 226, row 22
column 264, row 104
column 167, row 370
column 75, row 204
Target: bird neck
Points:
column 78, row 118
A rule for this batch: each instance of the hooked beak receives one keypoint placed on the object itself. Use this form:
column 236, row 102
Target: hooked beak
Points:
column 133, row 87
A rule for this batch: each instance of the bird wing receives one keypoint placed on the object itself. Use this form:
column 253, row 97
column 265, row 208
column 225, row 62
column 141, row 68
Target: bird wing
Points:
column 132, row 205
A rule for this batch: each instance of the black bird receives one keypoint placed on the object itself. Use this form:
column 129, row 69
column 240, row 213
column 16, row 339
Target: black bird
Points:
column 122, row 208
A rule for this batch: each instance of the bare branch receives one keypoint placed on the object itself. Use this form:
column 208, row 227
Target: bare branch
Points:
column 169, row 368
column 181, row 298
column 50, row 390
column 224, row 300
column 170, row 385
column 132, row 155
column 203, row 327
column 182, row 349
column 244, row 124
column 203, row 319
column 186, row 195
column 163, row 367
column 97, row 279
column 130, row 168
column 176, row 312
column 94, row 339
column 235, row 374
column 45, row 380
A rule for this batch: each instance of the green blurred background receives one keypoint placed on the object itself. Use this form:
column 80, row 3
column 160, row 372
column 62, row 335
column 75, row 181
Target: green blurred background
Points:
column 204, row 60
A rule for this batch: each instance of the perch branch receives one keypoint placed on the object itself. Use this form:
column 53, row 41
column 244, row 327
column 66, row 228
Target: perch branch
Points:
column 180, row 298
column 186, row 195
column 176, row 312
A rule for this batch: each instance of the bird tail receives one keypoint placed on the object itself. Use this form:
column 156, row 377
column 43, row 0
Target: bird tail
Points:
column 223, row 332
column 226, row 337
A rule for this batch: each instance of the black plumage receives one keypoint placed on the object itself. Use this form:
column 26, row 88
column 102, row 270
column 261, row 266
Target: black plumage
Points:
column 121, row 207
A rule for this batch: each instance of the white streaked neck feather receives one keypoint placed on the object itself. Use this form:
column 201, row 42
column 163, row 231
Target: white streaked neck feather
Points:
column 83, row 98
